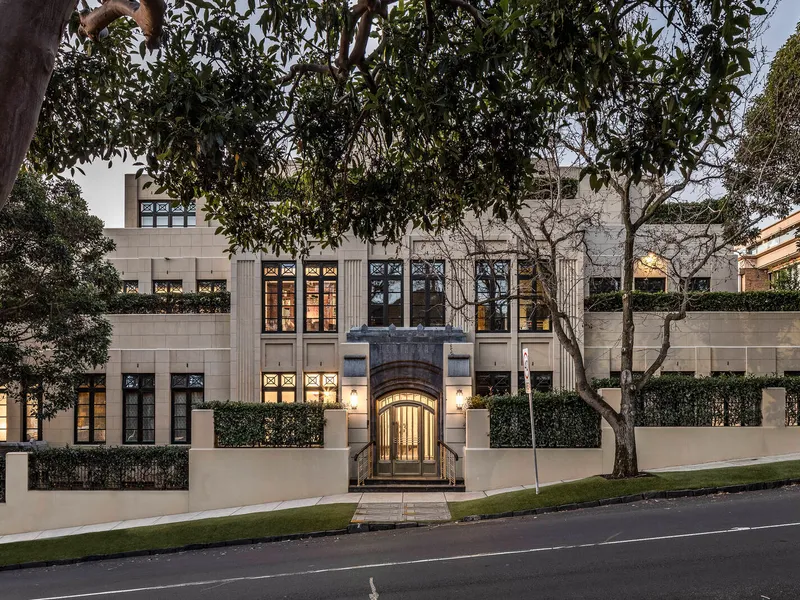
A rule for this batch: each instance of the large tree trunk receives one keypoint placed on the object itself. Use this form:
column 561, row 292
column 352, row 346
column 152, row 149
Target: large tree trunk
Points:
column 30, row 32
column 626, row 463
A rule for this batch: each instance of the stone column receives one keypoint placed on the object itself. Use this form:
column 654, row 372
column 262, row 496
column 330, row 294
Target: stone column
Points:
column 773, row 407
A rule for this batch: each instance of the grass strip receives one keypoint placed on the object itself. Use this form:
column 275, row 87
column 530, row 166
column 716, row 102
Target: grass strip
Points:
column 283, row 522
column 598, row 488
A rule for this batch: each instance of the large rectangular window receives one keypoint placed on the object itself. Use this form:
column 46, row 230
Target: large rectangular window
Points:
column 278, row 387
column 386, row 293
column 3, row 414
column 492, row 383
column 280, row 297
column 491, row 295
column 32, row 412
column 541, row 381
column 321, row 387
column 161, row 213
column 209, row 286
column 187, row 390
column 697, row 284
column 129, row 286
column 90, row 411
column 533, row 314
column 604, row 285
column 427, row 293
column 167, row 286
column 650, row 284
column 321, row 295
column 139, row 409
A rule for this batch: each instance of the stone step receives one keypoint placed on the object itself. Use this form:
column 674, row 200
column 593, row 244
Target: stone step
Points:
column 407, row 485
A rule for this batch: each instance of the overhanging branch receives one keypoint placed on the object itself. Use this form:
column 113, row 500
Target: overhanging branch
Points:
column 148, row 14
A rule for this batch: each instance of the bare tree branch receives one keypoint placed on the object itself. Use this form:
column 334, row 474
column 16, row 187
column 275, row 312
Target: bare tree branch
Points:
column 148, row 14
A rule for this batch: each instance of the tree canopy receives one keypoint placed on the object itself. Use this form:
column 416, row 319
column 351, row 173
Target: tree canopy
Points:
column 55, row 284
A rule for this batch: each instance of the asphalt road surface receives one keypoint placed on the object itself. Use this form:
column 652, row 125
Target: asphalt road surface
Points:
column 726, row 547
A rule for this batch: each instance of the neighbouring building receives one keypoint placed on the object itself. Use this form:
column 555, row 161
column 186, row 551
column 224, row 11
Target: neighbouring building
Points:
column 774, row 253
column 370, row 326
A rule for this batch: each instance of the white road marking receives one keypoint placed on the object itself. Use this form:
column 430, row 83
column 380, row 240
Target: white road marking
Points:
column 417, row 562
column 374, row 594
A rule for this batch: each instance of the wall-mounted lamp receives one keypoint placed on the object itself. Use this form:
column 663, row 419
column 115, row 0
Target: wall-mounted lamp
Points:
column 353, row 399
column 460, row 400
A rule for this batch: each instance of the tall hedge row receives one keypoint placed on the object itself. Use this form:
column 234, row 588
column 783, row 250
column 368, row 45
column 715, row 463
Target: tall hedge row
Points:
column 772, row 300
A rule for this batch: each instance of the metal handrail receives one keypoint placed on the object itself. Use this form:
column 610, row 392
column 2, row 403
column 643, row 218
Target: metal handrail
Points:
column 363, row 460
column 448, row 461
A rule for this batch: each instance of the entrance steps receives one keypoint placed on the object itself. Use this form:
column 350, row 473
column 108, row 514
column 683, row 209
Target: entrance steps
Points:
column 407, row 484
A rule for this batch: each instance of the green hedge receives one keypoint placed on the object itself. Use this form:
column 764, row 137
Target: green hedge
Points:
column 563, row 420
column 704, row 212
column 251, row 425
column 130, row 304
column 772, row 300
column 109, row 468
column 680, row 401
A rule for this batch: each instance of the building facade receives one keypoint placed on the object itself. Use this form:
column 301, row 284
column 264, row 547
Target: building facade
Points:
column 773, row 255
column 377, row 328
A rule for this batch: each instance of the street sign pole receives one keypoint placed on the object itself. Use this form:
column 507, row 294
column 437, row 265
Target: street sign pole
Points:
column 529, row 390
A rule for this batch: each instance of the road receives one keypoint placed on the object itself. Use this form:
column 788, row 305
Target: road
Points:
column 726, row 547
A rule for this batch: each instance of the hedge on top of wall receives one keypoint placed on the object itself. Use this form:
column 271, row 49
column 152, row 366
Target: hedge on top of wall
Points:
column 771, row 300
column 109, row 468
column 210, row 302
column 563, row 420
column 251, row 425
column 704, row 212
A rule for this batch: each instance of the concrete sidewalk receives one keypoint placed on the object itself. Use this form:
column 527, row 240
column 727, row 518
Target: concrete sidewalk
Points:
column 367, row 503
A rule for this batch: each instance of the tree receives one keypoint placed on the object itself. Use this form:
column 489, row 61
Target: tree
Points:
column 786, row 279
column 55, row 283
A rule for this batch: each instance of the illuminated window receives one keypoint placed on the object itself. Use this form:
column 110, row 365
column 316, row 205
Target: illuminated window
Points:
column 163, row 213
column 321, row 387
column 3, row 414
column 90, row 411
column 427, row 293
column 386, row 293
column 492, row 383
column 129, row 287
column 139, row 409
column 167, row 286
column 321, row 295
column 491, row 295
column 533, row 314
column 280, row 298
column 187, row 390
column 278, row 387
column 32, row 413
column 209, row 286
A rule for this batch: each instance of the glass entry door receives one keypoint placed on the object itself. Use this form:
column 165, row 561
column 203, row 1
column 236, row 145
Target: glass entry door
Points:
column 406, row 435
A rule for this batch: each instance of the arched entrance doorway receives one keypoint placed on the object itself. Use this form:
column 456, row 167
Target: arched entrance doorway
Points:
column 406, row 440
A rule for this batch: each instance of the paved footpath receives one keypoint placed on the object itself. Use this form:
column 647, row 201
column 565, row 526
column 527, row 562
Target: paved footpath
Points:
column 372, row 507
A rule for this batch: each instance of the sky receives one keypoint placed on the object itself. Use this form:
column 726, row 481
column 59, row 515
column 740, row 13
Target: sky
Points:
column 104, row 188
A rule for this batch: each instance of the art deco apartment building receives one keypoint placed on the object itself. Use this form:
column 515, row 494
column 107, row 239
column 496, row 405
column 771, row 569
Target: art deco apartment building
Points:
column 370, row 326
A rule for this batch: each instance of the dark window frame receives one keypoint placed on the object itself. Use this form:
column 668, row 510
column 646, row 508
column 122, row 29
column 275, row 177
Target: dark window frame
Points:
column 37, row 391
column 496, row 300
column 280, row 278
column 538, row 379
column 385, row 279
column 4, row 414
column 321, row 279
column 216, row 285
column 173, row 213
column 129, row 286
column 496, row 383
column 321, row 388
column 598, row 285
column 170, row 283
column 428, row 276
column 190, row 391
column 644, row 284
column 279, row 387
column 91, row 386
column 538, row 308
column 140, row 390
column 694, row 283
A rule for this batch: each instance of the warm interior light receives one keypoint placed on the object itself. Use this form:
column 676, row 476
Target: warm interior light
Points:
column 353, row 399
column 459, row 399
column 651, row 261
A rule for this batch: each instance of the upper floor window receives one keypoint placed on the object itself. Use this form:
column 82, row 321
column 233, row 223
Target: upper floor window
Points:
column 427, row 293
column 167, row 286
column 90, row 411
column 604, row 285
column 321, row 284
column 207, row 286
column 650, row 284
column 278, row 387
column 32, row 412
column 533, row 314
column 697, row 284
column 187, row 390
column 492, row 383
column 541, row 381
column 386, row 293
column 163, row 213
column 3, row 414
column 280, row 297
column 321, row 387
column 139, row 409
column 130, row 286
column 491, row 295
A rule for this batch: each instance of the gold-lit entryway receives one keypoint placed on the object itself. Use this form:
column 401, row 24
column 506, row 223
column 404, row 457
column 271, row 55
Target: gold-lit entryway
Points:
column 406, row 435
